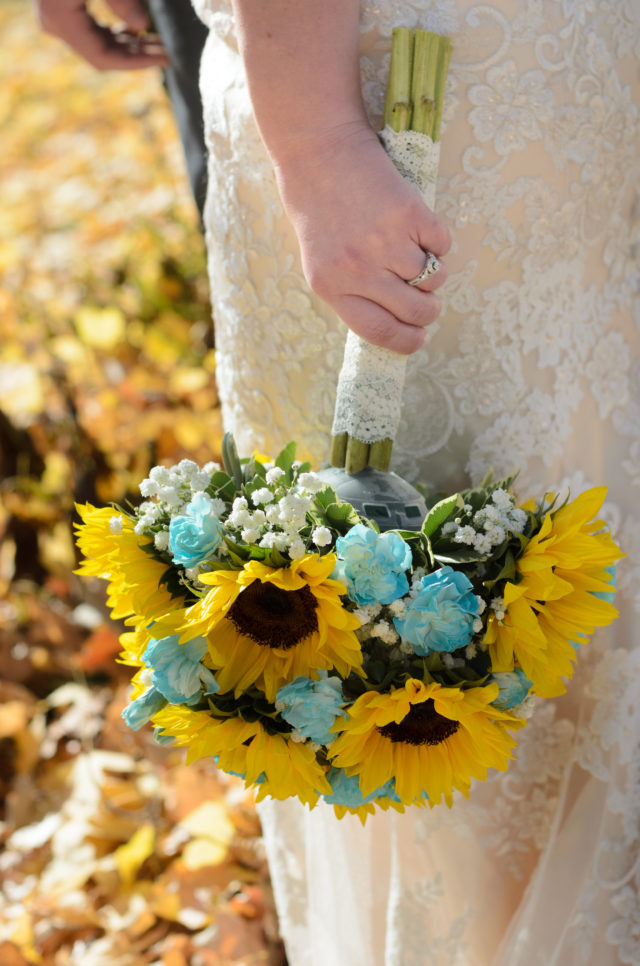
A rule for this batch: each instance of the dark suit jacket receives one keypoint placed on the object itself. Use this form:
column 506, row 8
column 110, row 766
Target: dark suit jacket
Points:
column 183, row 36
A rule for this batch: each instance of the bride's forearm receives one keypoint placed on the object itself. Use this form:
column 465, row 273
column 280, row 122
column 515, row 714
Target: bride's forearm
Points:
column 301, row 59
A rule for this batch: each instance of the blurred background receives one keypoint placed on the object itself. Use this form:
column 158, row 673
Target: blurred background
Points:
column 113, row 853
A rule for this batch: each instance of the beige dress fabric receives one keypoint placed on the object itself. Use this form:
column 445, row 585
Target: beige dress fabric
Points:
column 533, row 365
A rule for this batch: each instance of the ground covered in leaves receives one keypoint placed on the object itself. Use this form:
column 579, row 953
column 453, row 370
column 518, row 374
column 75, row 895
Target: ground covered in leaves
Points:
column 112, row 852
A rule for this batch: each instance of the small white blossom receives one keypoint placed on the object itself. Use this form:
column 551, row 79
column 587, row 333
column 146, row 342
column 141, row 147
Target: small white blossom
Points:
column 211, row 467
column 502, row 498
column 239, row 503
column 297, row 736
column 161, row 540
column 170, row 496
column 470, row 651
column 465, row 535
column 140, row 527
column 449, row 528
column 115, row 524
column 281, row 541
column 482, row 605
column 447, row 659
column 275, row 474
column 297, row 549
column 262, row 496
column 268, row 541
column 159, row 475
column 398, row 607
column 218, row 506
column 187, row 468
column 367, row 612
column 199, row 481
column 386, row 632
column 259, row 518
column 148, row 488
column 321, row 536
column 250, row 535
column 272, row 513
column 482, row 543
column 477, row 625
column 310, row 482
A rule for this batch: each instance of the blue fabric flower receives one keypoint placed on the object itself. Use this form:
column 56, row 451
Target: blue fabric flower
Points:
column 311, row 706
column 441, row 616
column 176, row 670
column 196, row 534
column 142, row 710
column 514, row 687
column 608, row 595
column 372, row 565
column 346, row 790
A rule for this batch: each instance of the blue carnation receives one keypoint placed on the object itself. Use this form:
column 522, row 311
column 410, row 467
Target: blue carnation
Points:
column 440, row 617
column 345, row 790
column 196, row 534
column 373, row 565
column 177, row 671
column 608, row 595
column 311, row 707
column 142, row 709
column 514, row 687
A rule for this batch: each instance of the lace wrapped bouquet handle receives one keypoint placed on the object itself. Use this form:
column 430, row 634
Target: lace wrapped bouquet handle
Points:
column 369, row 395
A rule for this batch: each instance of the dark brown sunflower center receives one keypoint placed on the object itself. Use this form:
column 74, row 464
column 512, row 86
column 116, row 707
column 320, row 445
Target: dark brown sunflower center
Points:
column 422, row 726
column 274, row 617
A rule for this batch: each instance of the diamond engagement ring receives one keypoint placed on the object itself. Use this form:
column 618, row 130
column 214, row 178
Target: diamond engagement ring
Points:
column 431, row 266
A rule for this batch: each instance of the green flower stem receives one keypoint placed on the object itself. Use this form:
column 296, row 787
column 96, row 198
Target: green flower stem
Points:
column 380, row 454
column 444, row 57
column 357, row 456
column 423, row 81
column 338, row 453
column 414, row 100
column 398, row 106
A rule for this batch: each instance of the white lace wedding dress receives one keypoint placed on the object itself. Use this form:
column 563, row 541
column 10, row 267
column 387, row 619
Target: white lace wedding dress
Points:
column 533, row 364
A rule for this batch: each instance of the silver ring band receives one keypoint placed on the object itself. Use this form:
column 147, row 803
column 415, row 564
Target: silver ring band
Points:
column 431, row 266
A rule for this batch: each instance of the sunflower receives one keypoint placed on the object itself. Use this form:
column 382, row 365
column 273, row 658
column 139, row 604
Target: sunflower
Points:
column 553, row 605
column 281, row 767
column 429, row 738
column 134, row 590
column 266, row 626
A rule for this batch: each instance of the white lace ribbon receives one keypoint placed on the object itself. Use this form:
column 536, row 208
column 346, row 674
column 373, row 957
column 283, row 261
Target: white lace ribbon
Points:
column 371, row 381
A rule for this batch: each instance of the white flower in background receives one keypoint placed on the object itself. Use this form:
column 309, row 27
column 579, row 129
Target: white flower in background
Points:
column 274, row 474
column 115, row 524
column 297, row 548
column 159, row 475
column 310, row 482
column 250, row 535
column 321, row 536
column 386, row 632
column 398, row 607
column 262, row 496
column 161, row 540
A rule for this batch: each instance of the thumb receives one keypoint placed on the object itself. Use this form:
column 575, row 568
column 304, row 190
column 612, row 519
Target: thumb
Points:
column 133, row 13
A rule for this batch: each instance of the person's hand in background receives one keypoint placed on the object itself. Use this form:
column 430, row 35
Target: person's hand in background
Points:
column 129, row 48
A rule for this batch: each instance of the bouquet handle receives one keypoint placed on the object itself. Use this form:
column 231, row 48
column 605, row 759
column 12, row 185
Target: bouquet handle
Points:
column 371, row 382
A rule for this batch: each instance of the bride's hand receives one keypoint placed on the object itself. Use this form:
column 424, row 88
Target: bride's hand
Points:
column 363, row 231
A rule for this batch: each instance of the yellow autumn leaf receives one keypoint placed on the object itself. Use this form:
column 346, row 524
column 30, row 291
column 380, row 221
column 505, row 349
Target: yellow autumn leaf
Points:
column 130, row 856
column 100, row 328
column 212, row 832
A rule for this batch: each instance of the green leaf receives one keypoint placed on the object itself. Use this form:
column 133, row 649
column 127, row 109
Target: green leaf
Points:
column 231, row 460
column 441, row 512
column 286, row 458
column 222, row 486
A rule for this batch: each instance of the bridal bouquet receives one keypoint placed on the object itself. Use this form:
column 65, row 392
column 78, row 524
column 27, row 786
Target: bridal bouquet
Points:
column 274, row 626
column 280, row 632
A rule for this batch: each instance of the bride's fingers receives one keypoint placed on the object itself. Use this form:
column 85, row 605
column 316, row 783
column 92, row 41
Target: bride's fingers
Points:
column 376, row 325
column 406, row 303
column 433, row 234
column 428, row 284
